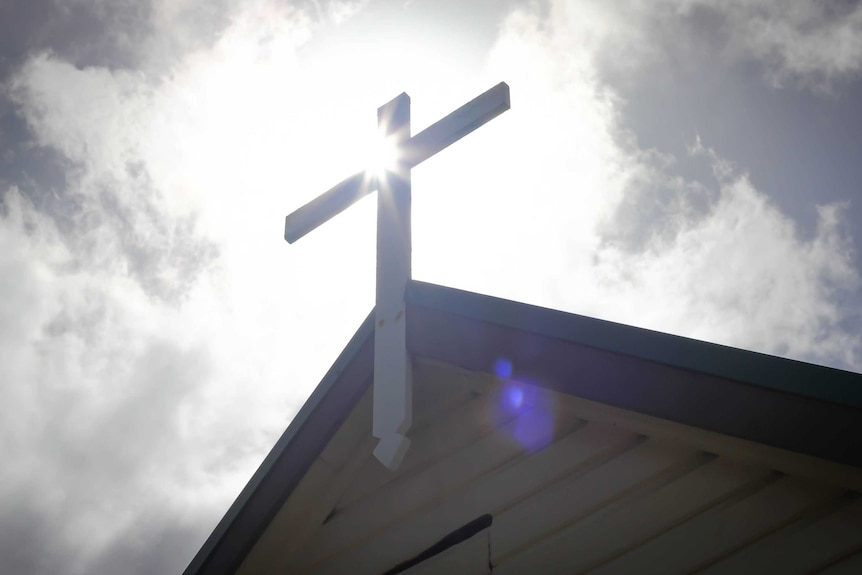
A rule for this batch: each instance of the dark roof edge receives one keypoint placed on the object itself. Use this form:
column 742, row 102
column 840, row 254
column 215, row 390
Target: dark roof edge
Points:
column 779, row 374
column 201, row 562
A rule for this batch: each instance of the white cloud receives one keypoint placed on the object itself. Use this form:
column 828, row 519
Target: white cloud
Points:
column 741, row 275
column 816, row 43
column 563, row 193
column 149, row 343
column 813, row 44
column 97, row 382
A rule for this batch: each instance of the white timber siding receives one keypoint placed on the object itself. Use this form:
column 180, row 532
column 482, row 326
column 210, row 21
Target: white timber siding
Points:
column 612, row 492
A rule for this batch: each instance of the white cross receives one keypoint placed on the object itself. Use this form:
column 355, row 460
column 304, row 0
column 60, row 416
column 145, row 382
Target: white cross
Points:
column 393, row 410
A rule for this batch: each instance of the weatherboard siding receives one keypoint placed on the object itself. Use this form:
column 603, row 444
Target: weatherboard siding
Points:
column 613, row 492
column 850, row 565
column 467, row 558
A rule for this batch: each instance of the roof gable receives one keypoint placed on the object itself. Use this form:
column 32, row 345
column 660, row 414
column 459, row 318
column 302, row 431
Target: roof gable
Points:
column 717, row 390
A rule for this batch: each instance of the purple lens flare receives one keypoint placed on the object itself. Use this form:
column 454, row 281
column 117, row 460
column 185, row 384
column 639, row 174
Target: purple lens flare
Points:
column 529, row 405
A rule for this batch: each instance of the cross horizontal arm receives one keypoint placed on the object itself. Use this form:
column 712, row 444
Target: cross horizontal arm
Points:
column 334, row 201
column 446, row 131
column 417, row 149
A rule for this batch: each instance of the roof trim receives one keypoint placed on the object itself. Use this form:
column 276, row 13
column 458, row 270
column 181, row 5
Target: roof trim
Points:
column 785, row 375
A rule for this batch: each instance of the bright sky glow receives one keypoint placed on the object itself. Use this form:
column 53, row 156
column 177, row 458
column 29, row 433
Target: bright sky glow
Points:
column 382, row 155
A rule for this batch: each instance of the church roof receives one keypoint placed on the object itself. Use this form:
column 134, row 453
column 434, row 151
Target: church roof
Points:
column 785, row 404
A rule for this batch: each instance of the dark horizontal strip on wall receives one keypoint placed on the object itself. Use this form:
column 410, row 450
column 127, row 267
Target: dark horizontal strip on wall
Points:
column 454, row 538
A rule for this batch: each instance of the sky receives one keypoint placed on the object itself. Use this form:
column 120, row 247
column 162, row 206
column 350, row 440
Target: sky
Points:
column 689, row 166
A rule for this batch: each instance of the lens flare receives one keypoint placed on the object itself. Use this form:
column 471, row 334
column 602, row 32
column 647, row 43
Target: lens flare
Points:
column 530, row 405
column 515, row 397
column 535, row 429
column 503, row 368
column 382, row 155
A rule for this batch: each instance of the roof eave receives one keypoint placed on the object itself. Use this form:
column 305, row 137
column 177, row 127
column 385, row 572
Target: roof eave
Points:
column 783, row 403
column 788, row 404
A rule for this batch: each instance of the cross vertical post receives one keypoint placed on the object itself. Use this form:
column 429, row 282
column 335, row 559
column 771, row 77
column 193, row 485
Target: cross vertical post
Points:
column 393, row 384
column 392, row 369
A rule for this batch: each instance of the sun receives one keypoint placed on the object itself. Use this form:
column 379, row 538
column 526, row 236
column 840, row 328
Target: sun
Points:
column 382, row 155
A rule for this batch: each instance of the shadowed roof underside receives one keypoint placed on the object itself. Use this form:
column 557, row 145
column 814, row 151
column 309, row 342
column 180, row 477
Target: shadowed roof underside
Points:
column 649, row 409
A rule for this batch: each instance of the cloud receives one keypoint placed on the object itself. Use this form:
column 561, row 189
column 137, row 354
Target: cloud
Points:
column 123, row 412
column 739, row 273
column 96, row 376
column 810, row 44
column 109, row 208
column 815, row 43
column 583, row 219
column 83, row 32
column 144, row 361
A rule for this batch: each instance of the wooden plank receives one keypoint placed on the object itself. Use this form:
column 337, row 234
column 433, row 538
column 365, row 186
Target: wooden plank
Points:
column 630, row 521
column 327, row 205
column 459, row 426
column 497, row 490
column 451, row 128
column 749, row 452
column 438, row 388
column 305, row 511
column 393, row 369
column 435, row 385
column 805, row 546
column 448, row 375
column 293, row 522
column 467, row 558
column 284, row 543
column 405, row 495
column 721, row 530
column 454, row 407
column 289, row 518
column 851, row 565
column 576, row 496
column 351, row 433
